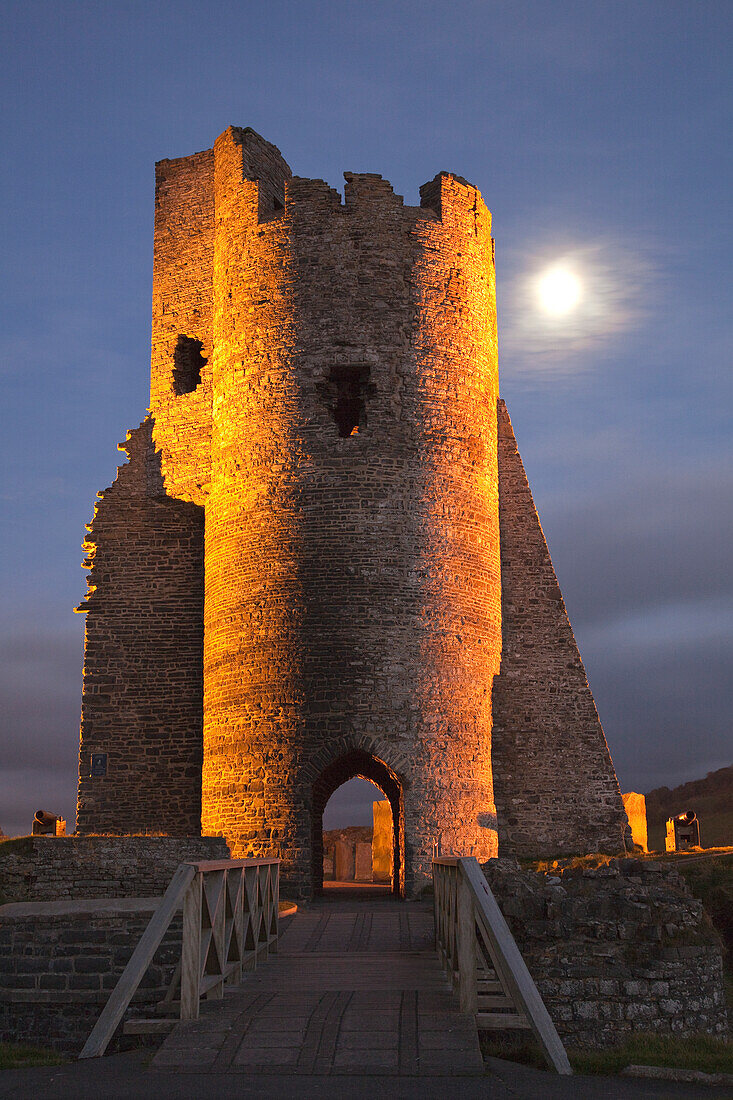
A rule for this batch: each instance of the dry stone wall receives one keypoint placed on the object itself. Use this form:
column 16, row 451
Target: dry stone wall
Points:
column 556, row 787
column 615, row 949
column 74, row 867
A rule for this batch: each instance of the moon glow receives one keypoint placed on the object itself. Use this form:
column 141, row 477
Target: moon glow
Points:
column 558, row 291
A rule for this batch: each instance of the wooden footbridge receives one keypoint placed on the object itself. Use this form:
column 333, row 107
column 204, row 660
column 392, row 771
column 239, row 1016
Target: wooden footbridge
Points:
column 355, row 983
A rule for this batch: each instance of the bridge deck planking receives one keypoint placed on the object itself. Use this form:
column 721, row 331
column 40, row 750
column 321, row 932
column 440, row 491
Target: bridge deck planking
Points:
column 356, row 988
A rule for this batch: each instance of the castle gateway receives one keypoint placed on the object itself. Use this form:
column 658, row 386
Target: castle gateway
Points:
column 322, row 559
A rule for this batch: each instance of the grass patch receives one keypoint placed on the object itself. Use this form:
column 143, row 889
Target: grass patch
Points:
column 711, row 880
column 17, row 1055
column 699, row 1052
column 514, row 1047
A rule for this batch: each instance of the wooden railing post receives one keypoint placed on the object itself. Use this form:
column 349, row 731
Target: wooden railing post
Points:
column 230, row 917
column 235, row 888
column 140, row 960
column 466, row 947
column 471, row 934
column 191, row 950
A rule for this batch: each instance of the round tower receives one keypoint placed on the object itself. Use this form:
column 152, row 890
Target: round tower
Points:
column 352, row 574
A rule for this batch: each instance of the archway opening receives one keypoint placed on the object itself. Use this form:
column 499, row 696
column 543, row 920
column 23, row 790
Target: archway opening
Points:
column 360, row 765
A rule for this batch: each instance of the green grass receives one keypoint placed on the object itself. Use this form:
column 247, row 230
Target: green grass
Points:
column 17, row 1055
column 700, row 1052
column 711, row 880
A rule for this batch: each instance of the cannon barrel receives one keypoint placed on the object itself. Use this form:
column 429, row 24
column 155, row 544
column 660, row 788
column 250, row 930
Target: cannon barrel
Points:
column 687, row 817
column 43, row 817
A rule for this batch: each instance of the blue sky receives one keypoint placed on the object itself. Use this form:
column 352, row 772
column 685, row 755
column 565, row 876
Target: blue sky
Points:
column 599, row 135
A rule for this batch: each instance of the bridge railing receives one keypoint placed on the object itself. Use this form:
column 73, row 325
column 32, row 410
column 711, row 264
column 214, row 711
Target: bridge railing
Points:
column 482, row 959
column 230, row 920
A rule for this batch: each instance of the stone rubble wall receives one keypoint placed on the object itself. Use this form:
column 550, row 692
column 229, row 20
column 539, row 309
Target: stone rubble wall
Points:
column 183, row 264
column 60, row 961
column 619, row 949
column 45, row 869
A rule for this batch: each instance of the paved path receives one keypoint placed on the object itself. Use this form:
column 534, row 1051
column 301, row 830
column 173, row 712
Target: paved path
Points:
column 356, row 988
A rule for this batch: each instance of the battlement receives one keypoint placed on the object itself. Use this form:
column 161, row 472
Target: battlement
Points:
column 244, row 156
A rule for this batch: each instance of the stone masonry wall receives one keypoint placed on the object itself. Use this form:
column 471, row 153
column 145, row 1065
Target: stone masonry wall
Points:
column 614, row 950
column 352, row 558
column 75, row 867
column 555, row 784
column 60, row 961
column 142, row 687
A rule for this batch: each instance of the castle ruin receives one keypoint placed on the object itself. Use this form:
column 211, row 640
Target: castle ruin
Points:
column 322, row 559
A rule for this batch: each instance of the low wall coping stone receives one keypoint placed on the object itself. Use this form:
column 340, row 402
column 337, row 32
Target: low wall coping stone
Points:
column 89, row 907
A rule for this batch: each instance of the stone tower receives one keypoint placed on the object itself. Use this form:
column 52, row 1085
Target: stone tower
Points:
column 299, row 576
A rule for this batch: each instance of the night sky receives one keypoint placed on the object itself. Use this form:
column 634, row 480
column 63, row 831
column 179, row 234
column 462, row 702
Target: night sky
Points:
column 599, row 135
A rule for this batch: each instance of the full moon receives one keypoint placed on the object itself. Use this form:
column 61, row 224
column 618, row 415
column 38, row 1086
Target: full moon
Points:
column 559, row 291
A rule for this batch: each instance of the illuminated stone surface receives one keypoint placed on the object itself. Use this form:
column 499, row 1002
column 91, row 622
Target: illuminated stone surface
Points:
column 635, row 806
column 319, row 480
column 382, row 842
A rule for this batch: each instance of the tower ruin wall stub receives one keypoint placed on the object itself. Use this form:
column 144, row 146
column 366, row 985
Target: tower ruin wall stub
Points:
column 142, row 685
column 182, row 307
column 556, row 787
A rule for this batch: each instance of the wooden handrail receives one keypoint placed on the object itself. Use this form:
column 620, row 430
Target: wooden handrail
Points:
column 230, row 918
column 482, row 958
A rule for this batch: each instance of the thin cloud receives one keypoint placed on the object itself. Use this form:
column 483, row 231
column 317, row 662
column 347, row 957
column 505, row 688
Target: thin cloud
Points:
column 665, row 539
column 618, row 285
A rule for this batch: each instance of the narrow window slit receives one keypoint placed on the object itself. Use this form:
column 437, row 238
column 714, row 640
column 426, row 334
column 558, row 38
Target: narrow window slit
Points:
column 349, row 408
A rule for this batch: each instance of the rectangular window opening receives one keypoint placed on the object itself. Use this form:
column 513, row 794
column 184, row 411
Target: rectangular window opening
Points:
column 188, row 363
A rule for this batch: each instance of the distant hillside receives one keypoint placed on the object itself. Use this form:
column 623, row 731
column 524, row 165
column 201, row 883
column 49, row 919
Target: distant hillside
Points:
column 712, row 800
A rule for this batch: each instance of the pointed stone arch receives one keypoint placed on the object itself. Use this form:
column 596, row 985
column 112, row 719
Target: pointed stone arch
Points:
column 357, row 762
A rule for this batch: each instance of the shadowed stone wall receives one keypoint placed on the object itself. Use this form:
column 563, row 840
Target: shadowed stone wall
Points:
column 59, row 962
column 614, row 950
column 142, row 688
column 71, row 867
column 555, row 785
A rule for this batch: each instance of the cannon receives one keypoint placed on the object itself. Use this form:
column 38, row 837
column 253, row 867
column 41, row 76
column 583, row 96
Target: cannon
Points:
column 683, row 831
column 46, row 824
